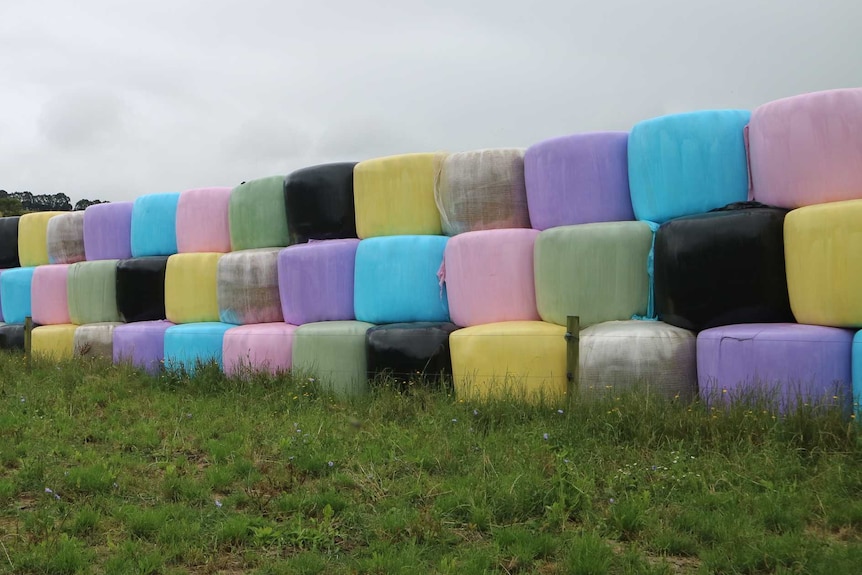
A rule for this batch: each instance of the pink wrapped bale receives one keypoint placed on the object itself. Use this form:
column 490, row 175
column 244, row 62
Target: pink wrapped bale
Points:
column 806, row 150
column 48, row 295
column 202, row 221
column 108, row 231
column 489, row 277
column 266, row 347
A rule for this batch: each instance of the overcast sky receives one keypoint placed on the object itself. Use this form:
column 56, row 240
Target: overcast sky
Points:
column 110, row 99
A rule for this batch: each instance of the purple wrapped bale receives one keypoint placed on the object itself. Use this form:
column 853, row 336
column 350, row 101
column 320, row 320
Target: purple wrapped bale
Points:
column 142, row 344
column 315, row 281
column 578, row 179
column 108, row 231
column 785, row 361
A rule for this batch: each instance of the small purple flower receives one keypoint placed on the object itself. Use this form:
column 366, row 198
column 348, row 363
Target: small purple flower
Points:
column 115, row 485
column 653, row 468
column 57, row 497
column 331, row 464
column 188, row 416
column 49, row 490
column 545, row 436
column 611, row 501
column 475, row 412
column 565, row 461
column 560, row 411
column 454, row 420
column 299, row 431
column 23, row 399
column 290, row 458
column 218, row 503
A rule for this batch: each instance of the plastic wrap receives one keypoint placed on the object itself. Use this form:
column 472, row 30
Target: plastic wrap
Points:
column 489, row 277
column 66, row 238
column 315, row 281
column 687, row 164
column 257, row 215
column 857, row 375
column 9, row 242
column 650, row 356
column 319, row 203
column 190, row 288
column 142, row 344
column 108, row 231
column 92, row 292
column 595, row 271
column 409, row 352
column 203, row 225
column 482, row 190
column 579, row 179
column 48, row 295
column 154, row 225
column 12, row 336
column 56, row 342
column 823, row 251
column 33, row 238
column 805, row 150
column 1, row 296
column 193, row 344
column 517, row 360
column 395, row 196
column 333, row 354
column 15, row 294
column 247, row 287
column 396, row 280
column 785, row 362
column 265, row 347
column 141, row 288
column 722, row 268
column 95, row 340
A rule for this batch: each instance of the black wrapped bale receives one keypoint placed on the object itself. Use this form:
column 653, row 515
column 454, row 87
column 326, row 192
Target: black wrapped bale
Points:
column 12, row 336
column 319, row 203
column 141, row 288
column 9, row 242
column 723, row 267
column 409, row 351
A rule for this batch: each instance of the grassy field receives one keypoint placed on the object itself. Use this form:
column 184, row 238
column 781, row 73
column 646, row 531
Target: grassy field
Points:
column 104, row 470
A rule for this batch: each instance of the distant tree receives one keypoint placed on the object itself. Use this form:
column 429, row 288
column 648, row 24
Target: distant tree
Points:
column 43, row 202
column 10, row 206
column 84, row 204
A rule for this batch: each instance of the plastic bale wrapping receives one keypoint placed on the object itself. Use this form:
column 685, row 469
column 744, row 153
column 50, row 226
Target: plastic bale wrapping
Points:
column 332, row 353
column 722, row 268
column 1, row 296
column 154, row 225
column 49, row 297
column 33, row 238
column 141, row 288
column 203, row 223
column 595, row 271
column 92, row 292
column 108, row 231
column 395, row 196
column 409, row 352
column 782, row 364
column 857, row 376
column 822, row 247
column 15, row 294
column 482, row 190
column 490, row 278
column 55, row 342
column 315, row 281
column 520, row 360
column 265, row 347
column 66, row 238
column 319, row 203
column 257, row 215
column 95, row 340
column 649, row 356
column 9, row 242
column 397, row 280
column 805, row 150
column 12, row 336
column 687, row 164
column 247, row 287
column 141, row 344
column 191, row 345
column 579, row 179
column 190, row 288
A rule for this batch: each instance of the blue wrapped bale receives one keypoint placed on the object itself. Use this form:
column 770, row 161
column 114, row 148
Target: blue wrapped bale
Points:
column 154, row 225
column 190, row 345
column 15, row 294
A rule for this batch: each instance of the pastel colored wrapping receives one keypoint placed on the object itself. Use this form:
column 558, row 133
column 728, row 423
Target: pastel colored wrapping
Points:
column 95, row 340
column 203, row 223
column 192, row 345
column 15, row 295
column 142, row 344
column 154, row 225
column 257, row 215
column 33, row 238
column 92, row 292
column 333, row 354
column 247, row 287
column 190, row 288
column 108, row 231
column 56, row 342
column 66, row 238
column 265, row 347
column 49, row 296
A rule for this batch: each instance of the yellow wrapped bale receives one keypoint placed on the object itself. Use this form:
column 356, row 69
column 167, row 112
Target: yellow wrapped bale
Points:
column 53, row 341
column 395, row 196
column 191, row 294
column 33, row 238
column 514, row 359
column 822, row 246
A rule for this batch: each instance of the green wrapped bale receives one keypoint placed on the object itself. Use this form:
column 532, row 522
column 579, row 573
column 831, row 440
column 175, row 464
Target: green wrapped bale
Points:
column 333, row 352
column 92, row 292
column 257, row 215
column 595, row 271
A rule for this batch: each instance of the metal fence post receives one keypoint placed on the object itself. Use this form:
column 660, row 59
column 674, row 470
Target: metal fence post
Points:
column 573, row 353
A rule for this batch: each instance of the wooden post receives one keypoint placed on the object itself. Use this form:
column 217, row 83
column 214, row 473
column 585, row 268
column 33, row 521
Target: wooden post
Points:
column 28, row 341
column 573, row 352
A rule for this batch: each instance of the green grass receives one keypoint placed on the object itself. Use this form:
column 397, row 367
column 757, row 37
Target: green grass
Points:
column 105, row 470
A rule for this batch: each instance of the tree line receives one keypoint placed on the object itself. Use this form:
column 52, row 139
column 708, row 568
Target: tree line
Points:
column 18, row 203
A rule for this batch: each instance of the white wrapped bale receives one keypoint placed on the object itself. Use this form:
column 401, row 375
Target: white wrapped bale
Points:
column 247, row 287
column 66, row 238
column 95, row 340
